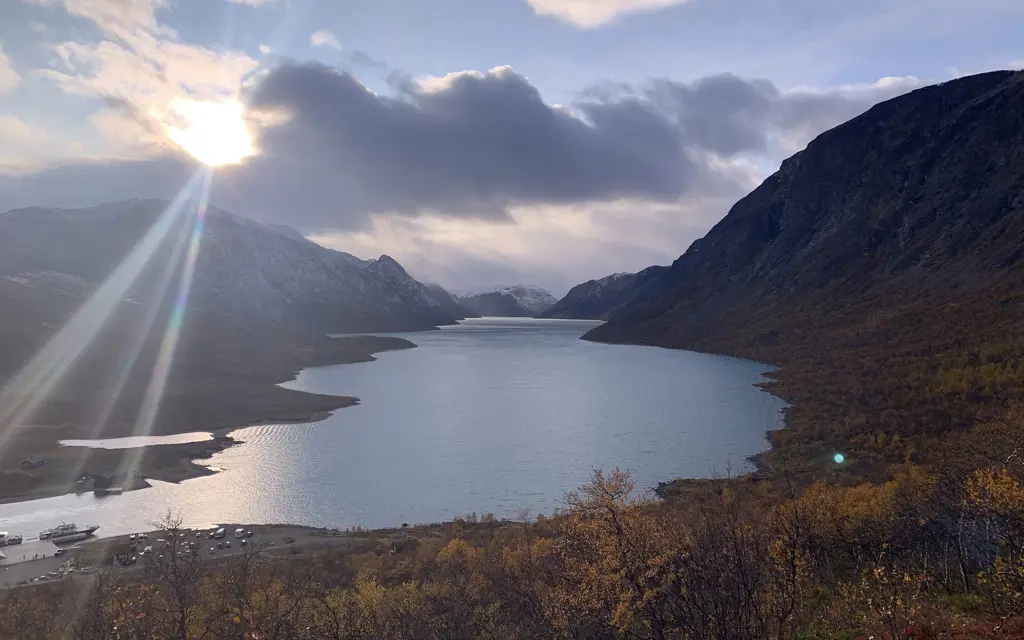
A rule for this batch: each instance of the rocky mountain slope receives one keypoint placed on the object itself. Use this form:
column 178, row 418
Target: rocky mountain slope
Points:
column 518, row 301
column 259, row 306
column 598, row 299
column 244, row 268
column 449, row 300
column 893, row 242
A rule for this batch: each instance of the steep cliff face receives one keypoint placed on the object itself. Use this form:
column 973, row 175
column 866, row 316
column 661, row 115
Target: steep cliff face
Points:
column 920, row 198
column 598, row 299
column 449, row 300
column 882, row 269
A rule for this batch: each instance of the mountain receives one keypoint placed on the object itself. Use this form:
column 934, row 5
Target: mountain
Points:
column 597, row 299
column 244, row 269
column 257, row 310
column 517, row 301
column 882, row 268
column 449, row 300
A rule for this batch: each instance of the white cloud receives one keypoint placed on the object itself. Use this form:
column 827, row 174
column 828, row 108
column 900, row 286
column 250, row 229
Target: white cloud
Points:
column 255, row 3
column 897, row 83
column 265, row 49
column 124, row 137
column 9, row 78
column 324, row 38
column 588, row 14
column 120, row 17
column 14, row 132
column 142, row 71
column 437, row 84
column 26, row 147
column 553, row 246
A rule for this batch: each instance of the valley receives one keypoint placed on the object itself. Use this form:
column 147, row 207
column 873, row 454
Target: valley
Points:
column 624, row 462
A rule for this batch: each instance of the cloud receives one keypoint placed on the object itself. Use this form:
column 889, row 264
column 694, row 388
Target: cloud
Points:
column 117, row 17
column 265, row 49
column 25, row 148
column 588, row 14
column 324, row 38
column 16, row 138
column 553, row 246
column 470, row 145
column 480, row 145
column 143, row 68
column 731, row 115
column 9, row 78
column 255, row 3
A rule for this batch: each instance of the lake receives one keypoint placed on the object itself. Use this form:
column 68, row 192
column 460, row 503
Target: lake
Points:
column 492, row 415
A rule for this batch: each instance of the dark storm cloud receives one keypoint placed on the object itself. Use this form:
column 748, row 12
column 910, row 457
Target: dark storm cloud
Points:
column 729, row 115
column 725, row 114
column 471, row 145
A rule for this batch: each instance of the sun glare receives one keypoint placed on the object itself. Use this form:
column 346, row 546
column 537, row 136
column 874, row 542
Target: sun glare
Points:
column 214, row 133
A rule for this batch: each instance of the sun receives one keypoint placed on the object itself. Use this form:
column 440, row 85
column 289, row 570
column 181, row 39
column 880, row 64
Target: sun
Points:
column 214, row 133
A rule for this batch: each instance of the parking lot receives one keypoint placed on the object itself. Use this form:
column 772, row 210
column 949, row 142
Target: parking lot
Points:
column 42, row 563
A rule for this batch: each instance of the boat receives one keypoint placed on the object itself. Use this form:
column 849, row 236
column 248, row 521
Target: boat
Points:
column 74, row 536
column 60, row 529
column 65, row 529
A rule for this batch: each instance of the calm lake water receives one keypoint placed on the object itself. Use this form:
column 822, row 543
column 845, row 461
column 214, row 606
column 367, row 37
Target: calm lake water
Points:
column 493, row 415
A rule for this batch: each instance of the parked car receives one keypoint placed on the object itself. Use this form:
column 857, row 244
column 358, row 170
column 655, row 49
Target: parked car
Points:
column 212, row 550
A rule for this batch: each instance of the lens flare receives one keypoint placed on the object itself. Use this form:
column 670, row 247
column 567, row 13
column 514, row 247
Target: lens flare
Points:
column 33, row 384
column 839, row 458
column 165, row 357
column 139, row 341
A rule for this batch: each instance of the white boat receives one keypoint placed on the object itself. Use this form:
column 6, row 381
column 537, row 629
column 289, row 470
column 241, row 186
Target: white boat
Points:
column 59, row 530
column 66, row 532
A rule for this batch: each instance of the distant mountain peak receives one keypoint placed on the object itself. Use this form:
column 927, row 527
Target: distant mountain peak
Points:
column 512, row 301
column 598, row 299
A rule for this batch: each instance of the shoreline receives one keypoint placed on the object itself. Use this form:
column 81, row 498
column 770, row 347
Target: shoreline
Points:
column 175, row 463
column 130, row 468
column 671, row 489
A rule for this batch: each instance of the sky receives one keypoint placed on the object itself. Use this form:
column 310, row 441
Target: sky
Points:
column 478, row 142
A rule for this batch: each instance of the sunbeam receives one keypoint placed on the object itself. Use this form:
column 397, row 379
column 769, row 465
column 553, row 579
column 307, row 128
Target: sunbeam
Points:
column 165, row 357
column 139, row 340
column 32, row 385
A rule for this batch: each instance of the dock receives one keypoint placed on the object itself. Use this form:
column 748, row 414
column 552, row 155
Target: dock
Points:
column 28, row 560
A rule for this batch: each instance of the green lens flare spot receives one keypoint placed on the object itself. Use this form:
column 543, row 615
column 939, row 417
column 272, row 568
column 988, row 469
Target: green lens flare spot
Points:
column 839, row 458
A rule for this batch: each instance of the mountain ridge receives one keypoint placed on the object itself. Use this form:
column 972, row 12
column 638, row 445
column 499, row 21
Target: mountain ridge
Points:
column 244, row 267
column 598, row 299
column 514, row 301
column 893, row 242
